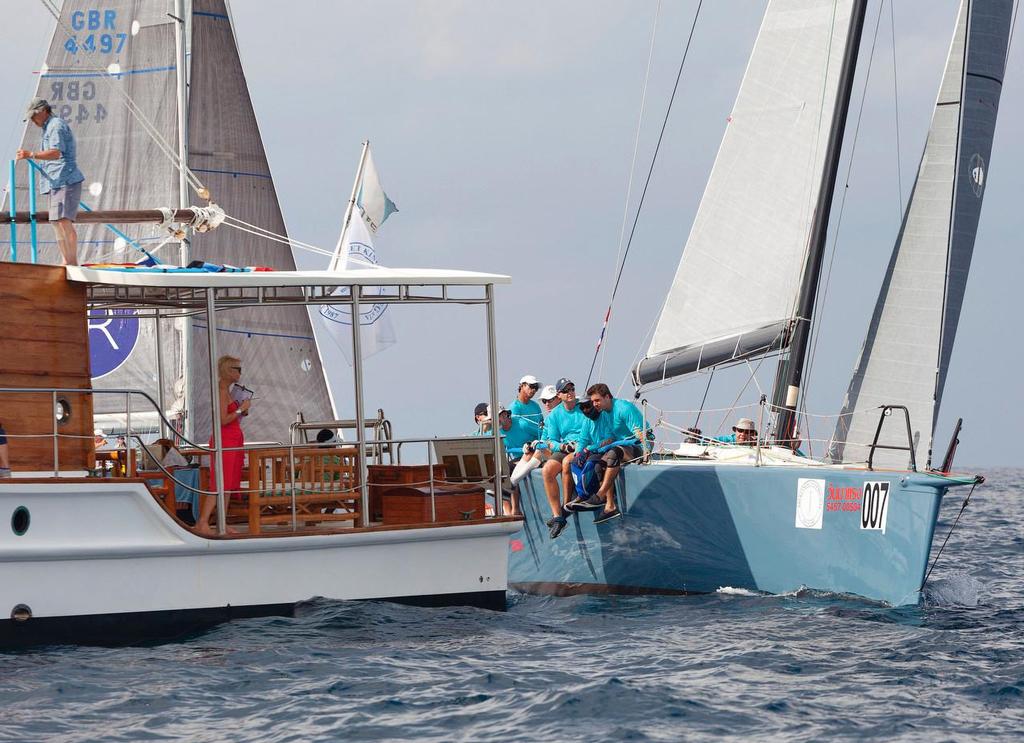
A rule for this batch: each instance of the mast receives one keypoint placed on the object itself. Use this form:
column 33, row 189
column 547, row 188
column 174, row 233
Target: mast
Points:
column 183, row 11
column 791, row 373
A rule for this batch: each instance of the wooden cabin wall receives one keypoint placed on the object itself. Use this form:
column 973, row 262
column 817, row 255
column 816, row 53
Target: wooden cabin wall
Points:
column 44, row 342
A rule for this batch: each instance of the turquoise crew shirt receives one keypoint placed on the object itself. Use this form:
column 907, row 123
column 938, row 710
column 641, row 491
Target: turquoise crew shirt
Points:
column 531, row 415
column 623, row 421
column 64, row 171
column 564, row 425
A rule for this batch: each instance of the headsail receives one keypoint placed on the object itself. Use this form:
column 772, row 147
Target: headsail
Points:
column 736, row 285
column 97, row 56
column 906, row 353
column 279, row 354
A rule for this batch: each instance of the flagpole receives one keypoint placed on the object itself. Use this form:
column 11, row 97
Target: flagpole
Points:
column 340, row 247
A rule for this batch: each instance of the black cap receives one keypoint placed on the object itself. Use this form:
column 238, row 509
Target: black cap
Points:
column 589, row 410
column 480, row 409
column 562, row 384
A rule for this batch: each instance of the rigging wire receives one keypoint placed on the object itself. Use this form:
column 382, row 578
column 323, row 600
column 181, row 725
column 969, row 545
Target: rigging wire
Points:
column 643, row 194
column 948, row 535
column 636, row 149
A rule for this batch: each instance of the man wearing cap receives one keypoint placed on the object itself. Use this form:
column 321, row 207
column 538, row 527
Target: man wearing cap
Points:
column 515, row 434
column 549, row 400
column 744, row 433
column 524, row 407
column 617, row 435
column 61, row 177
column 561, row 430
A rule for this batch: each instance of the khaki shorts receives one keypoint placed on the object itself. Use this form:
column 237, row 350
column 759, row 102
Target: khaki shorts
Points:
column 64, row 202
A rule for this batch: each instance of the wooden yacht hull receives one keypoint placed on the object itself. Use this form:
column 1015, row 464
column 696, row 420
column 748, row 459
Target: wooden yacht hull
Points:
column 103, row 563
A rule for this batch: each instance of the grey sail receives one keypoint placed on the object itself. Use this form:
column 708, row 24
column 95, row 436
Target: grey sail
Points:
column 906, row 353
column 738, row 279
column 95, row 56
column 279, row 356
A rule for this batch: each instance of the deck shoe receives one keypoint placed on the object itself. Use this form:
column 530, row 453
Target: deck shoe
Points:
column 607, row 516
column 592, row 503
column 557, row 526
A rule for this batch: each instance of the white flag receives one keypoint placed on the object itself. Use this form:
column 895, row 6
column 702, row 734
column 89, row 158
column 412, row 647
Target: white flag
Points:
column 376, row 330
column 371, row 198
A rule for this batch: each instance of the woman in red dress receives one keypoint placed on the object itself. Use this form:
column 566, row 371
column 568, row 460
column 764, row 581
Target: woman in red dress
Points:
column 229, row 371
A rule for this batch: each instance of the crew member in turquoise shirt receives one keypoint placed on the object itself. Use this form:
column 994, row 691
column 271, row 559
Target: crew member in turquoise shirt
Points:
column 525, row 408
column 61, row 177
column 515, row 434
column 621, row 423
column 561, row 431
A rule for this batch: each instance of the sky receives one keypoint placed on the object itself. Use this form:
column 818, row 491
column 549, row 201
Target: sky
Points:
column 505, row 132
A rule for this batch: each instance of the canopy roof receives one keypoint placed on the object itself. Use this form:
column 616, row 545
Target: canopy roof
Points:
column 142, row 290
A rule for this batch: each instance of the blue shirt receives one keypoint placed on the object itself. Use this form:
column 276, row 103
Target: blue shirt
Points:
column 520, row 433
column 530, row 413
column 623, row 421
column 63, row 172
column 564, row 425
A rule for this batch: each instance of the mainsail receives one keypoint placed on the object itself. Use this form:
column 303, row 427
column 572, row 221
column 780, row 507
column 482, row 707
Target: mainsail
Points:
column 910, row 338
column 95, row 59
column 279, row 355
column 736, row 285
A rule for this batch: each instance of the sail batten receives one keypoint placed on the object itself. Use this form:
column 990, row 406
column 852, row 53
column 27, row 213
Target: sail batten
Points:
column 745, row 255
column 906, row 353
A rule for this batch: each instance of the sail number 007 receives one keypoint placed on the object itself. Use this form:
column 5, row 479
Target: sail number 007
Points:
column 875, row 505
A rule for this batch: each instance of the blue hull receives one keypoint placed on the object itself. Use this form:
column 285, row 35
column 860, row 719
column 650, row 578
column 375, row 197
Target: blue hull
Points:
column 698, row 527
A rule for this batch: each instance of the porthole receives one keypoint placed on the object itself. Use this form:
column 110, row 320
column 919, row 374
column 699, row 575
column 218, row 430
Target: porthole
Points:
column 21, row 613
column 20, row 520
column 62, row 411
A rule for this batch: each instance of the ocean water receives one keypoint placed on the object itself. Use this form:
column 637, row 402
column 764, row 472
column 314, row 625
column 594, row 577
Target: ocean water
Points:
column 728, row 665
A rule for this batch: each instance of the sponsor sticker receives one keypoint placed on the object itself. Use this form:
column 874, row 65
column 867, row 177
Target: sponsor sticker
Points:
column 810, row 503
column 875, row 507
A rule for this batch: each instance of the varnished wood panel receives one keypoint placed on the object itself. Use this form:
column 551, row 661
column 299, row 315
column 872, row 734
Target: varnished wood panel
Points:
column 45, row 344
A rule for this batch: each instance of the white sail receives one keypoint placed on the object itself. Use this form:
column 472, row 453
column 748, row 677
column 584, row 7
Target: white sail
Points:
column 96, row 56
column 906, row 353
column 279, row 354
column 736, row 284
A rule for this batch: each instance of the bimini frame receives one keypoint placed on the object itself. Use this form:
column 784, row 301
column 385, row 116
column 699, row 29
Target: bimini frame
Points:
column 177, row 294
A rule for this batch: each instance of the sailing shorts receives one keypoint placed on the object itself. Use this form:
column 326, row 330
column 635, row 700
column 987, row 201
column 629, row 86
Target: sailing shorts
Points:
column 620, row 455
column 64, row 202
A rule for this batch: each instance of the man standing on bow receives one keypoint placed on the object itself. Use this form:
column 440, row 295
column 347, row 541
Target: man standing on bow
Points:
column 61, row 177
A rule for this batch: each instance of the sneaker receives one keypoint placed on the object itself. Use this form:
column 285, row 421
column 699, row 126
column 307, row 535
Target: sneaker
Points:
column 592, row 503
column 557, row 526
column 550, row 522
column 607, row 516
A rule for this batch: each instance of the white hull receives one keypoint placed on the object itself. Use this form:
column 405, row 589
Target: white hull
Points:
column 109, row 549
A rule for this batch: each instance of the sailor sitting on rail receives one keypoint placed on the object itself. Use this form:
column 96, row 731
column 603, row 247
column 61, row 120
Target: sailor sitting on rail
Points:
column 515, row 433
column 617, row 437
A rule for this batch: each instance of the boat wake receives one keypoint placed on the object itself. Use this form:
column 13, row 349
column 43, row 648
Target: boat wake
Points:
column 959, row 589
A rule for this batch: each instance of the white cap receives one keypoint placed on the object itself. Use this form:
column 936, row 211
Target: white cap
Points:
column 529, row 379
column 98, row 432
column 548, row 393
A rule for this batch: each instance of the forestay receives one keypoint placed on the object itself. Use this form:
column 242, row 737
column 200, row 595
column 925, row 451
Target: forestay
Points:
column 910, row 338
column 97, row 55
column 737, row 282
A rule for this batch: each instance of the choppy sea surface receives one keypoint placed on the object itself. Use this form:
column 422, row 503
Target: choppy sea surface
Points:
column 728, row 665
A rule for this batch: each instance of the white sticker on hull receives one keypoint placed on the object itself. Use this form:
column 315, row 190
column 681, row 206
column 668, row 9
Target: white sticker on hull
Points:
column 875, row 507
column 810, row 503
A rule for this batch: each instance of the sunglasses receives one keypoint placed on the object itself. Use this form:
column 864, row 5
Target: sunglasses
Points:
column 237, row 368
column 567, row 390
column 534, row 386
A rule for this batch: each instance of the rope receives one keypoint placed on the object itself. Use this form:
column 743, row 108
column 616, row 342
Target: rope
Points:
column 896, row 101
column 636, row 148
column 643, row 194
column 948, row 535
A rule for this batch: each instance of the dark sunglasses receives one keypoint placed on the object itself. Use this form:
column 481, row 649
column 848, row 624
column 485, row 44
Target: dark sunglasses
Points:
column 534, row 386
column 564, row 390
column 237, row 368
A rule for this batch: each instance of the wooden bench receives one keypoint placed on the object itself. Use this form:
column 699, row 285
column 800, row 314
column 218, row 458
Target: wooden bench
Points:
column 318, row 480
